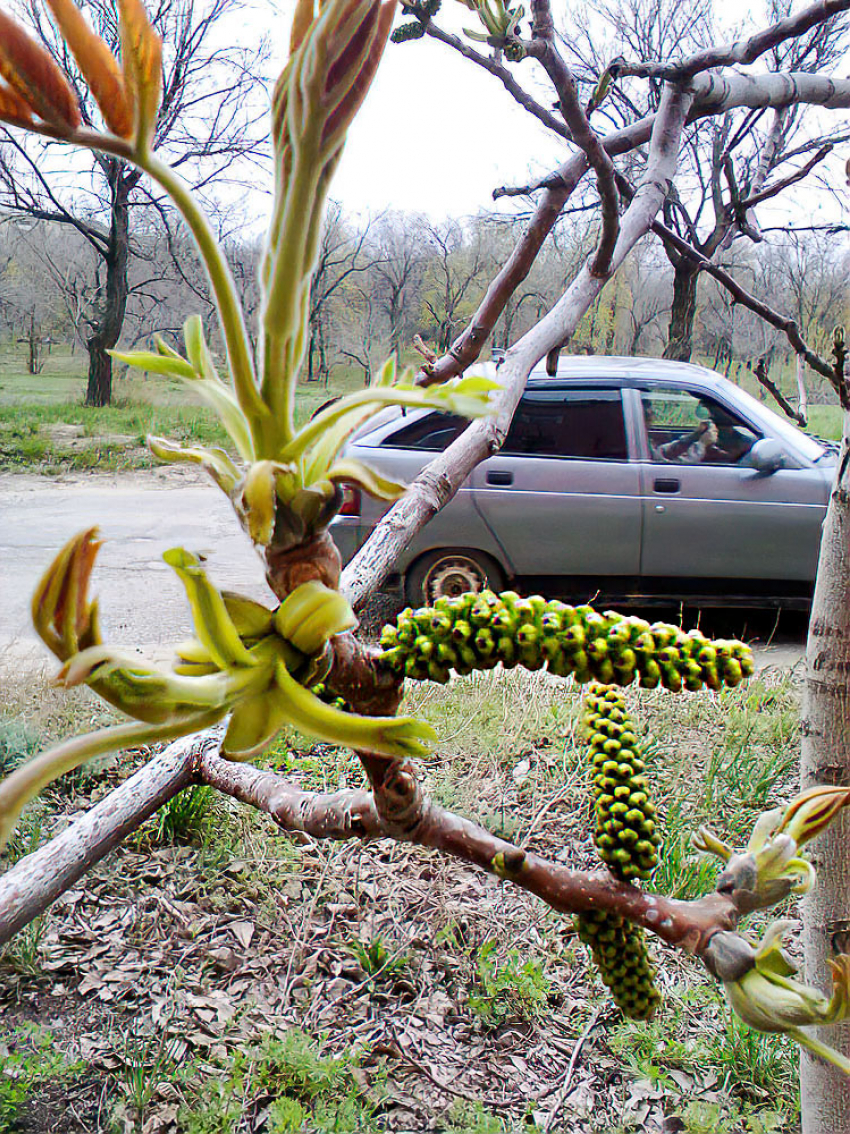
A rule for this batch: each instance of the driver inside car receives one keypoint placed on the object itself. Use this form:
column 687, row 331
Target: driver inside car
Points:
column 716, row 440
column 690, row 449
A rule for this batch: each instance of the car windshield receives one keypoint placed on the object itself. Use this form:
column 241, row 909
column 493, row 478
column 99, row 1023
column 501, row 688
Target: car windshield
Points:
column 809, row 447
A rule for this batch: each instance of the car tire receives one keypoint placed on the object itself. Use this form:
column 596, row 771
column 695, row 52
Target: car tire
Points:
column 451, row 572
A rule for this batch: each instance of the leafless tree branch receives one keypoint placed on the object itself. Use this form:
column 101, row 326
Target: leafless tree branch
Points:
column 542, row 47
column 742, row 51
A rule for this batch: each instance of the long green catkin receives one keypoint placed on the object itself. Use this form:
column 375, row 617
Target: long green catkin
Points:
column 627, row 840
column 480, row 631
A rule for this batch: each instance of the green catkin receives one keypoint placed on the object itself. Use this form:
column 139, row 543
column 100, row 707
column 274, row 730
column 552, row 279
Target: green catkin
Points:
column 627, row 839
column 477, row 631
column 405, row 32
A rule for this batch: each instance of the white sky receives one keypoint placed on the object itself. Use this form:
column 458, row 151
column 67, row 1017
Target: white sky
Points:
column 437, row 134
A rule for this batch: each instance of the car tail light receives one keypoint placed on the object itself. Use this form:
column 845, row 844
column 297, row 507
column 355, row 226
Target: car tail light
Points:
column 350, row 501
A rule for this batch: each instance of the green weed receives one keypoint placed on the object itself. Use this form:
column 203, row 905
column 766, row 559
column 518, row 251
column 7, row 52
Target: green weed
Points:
column 708, row 1118
column 22, row 953
column 185, row 818
column 144, row 1061
column 473, row 1118
column 509, row 987
column 217, row 1111
column 376, row 959
column 29, row 1062
column 311, row 1091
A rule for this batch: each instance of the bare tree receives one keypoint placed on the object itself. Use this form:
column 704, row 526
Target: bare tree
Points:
column 34, row 314
column 344, row 255
column 207, row 123
column 400, row 241
column 455, row 266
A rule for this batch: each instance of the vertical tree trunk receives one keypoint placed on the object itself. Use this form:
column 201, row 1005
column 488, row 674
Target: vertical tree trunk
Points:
column 396, row 321
column 99, row 386
column 33, row 340
column 110, row 318
column 826, row 760
column 681, row 330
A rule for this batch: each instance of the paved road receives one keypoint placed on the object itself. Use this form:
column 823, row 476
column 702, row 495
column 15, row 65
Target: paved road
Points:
column 141, row 600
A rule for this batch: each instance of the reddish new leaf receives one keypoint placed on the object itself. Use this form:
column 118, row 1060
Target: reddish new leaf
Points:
column 32, row 74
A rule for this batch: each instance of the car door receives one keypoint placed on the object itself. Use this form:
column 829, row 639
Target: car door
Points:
column 399, row 451
column 562, row 496
column 706, row 514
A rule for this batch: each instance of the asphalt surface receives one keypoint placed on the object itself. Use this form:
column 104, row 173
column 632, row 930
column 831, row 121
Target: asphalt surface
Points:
column 142, row 603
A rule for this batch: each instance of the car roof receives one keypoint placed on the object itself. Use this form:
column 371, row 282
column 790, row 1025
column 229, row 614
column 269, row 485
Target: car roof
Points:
column 619, row 371
column 577, row 368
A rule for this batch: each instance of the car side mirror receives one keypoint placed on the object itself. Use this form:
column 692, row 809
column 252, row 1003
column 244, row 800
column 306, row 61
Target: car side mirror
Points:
column 766, row 456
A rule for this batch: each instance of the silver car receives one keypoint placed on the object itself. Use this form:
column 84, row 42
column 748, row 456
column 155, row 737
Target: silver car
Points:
column 629, row 479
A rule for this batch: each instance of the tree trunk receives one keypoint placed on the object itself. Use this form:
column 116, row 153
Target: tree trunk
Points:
column 396, row 321
column 825, row 759
column 106, row 327
column 681, row 330
column 99, row 387
column 33, row 340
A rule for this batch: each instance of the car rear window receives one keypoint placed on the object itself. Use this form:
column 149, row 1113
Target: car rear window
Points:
column 569, row 423
column 433, row 433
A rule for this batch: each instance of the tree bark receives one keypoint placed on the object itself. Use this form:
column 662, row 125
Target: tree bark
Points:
column 28, row 887
column 825, row 759
column 106, row 327
column 683, row 312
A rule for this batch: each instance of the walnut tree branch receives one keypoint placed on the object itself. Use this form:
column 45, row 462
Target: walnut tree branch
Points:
column 784, row 182
column 503, row 74
column 352, row 814
column 742, row 51
column 542, row 48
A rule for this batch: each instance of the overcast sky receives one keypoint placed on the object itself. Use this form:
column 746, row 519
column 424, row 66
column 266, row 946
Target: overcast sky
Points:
column 437, row 134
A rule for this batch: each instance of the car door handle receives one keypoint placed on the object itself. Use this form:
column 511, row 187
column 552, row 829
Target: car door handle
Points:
column 496, row 477
column 666, row 484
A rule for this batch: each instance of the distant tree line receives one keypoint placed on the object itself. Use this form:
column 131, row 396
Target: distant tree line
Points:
column 383, row 281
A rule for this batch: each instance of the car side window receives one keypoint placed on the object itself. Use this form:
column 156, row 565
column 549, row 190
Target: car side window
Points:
column 687, row 428
column 432, row 433
column 585, row 424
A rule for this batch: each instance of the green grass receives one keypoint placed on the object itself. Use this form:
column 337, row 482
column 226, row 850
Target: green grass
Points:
column 112, row 437
column 311, row 1091
column 826, row 422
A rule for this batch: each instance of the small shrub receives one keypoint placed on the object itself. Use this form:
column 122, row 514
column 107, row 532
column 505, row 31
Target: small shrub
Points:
column 375, row 959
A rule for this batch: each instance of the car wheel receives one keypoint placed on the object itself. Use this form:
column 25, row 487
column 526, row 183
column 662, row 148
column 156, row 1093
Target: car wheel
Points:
column 450, row 573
